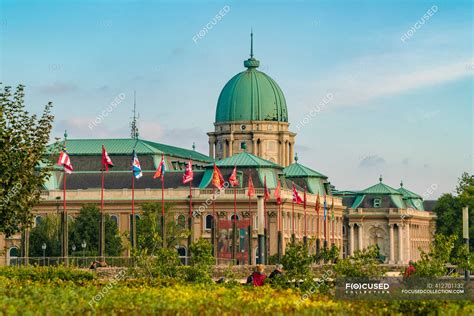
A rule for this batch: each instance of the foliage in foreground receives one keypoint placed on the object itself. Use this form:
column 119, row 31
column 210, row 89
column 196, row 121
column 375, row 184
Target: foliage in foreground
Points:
column 131, row 297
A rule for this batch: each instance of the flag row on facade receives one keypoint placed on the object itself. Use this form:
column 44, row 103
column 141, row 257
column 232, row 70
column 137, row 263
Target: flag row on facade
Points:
column 217, row 180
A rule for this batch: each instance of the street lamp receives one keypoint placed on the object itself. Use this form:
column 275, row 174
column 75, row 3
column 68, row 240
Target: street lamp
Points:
column 43, row 246
column 73, row 248
column 83, row 245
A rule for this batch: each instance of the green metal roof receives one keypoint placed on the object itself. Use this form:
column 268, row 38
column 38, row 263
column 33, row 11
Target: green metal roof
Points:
column 251, row 96
column 408, row 194
column 246, row 159
column 125, row 146
column 380, row 188
column 296, row 170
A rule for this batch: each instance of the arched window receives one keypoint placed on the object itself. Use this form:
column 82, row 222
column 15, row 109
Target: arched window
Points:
column 208, row 222
column 38, row 219
column 13, row 254
column 234, row 216
column 181, row 221
column 182, row 254
column 115, row 219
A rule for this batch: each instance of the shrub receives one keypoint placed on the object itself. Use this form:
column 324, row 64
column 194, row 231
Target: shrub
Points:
column 364, row 263
column 46, row 274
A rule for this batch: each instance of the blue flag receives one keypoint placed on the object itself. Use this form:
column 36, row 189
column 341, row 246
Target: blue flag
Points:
column 136, row 168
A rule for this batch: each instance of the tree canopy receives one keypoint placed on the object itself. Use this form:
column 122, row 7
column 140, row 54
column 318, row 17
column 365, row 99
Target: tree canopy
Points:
column 23, row 140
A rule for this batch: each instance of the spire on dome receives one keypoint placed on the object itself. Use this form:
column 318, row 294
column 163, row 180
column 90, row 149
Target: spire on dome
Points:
column 251, row 62
column 380, row 179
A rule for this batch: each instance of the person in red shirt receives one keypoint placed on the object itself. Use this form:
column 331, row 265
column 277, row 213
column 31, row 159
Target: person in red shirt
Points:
column 257, row 278
column 410, row 270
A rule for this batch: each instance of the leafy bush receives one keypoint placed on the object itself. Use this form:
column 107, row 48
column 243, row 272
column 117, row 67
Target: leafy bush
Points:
column 434, row 262
column 296, row 262
column 364, row 263
column 46, row 274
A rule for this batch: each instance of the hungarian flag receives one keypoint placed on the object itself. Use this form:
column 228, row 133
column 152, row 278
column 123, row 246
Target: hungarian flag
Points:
column 136, row 168
column 277, row 193
column 318, row 207
column 217, row 178
column 265, row 189
column 251, row 190
column 188, row 173
column 106, row 161
column 233, row 178
column 296, row 196
column 160, row 171
column 65, row 161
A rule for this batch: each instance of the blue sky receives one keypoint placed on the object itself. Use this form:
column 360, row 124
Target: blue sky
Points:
column 401, row 108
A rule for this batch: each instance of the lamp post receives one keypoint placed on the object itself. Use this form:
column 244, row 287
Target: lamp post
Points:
column 465, row 234
column 43, row 246
column 73, row 247
column 83, row 245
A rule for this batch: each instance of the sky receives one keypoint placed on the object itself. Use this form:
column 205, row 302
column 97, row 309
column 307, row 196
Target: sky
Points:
column 392, row 81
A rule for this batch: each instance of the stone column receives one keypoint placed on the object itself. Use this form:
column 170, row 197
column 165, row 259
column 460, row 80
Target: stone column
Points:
column 400, row 244
column 292, row 153
column 231, row 142
column 211, row 148
column 360, row 236
column 351, row 239
column 408, row 242
column 392, row 245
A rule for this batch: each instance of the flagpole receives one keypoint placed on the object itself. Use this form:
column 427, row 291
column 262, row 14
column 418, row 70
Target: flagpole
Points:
column 65, row 224
column 234, row 229
column 214, row 222
column 293, row 220
column 305, row 238
column 190, row 218
column 133, row 235
column 318, row 240
column 163, row 234
column 102, row 224
column 250, row 232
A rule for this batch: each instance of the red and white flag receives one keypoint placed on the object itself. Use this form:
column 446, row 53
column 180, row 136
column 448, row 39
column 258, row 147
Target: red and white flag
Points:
column 251, row 188
column 65, row 161
column 296, row 197
column 266, row 194
column 188, row 173
column 233, row 178
column 106, row 161
column 160, row 171
column 277, row 193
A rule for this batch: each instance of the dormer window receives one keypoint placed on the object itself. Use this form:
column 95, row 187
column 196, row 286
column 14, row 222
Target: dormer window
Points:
column 377, row 202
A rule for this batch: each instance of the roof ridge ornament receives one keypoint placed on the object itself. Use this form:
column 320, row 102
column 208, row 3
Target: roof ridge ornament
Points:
column 401, row 183
column 296, row 157
column 380, row 179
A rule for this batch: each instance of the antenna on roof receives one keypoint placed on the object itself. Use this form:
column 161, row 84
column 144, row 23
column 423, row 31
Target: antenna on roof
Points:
column 133, row 124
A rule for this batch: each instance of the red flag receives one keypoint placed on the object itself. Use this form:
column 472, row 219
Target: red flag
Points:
column 217, row 178
column 106, row 161
column 277, row 193
column 233, row 178
column 65, row 161
column 251, row 190
column 318, row 207
column 296, row 196
column 265, row 189
column 160, row 171
column 188, row 173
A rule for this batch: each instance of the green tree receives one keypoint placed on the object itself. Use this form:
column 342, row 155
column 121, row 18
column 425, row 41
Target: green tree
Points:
column 149, row 228
column 86, row 227
column 364, row 263
column 433, row 263
column 47, row 231
column 448, row 210
column 23, row 140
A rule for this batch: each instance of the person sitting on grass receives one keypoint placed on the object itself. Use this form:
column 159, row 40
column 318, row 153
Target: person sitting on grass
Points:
column 410, row 270
column 257, row 278
column 276, row 273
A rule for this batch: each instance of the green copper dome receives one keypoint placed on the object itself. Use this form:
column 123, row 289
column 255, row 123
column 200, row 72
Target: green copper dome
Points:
column 251, row 96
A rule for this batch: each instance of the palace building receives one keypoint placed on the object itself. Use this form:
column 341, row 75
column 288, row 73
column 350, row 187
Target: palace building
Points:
column 251, row 133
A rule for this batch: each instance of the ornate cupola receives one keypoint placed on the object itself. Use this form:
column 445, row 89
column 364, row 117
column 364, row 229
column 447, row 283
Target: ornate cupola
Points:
column 252, row 109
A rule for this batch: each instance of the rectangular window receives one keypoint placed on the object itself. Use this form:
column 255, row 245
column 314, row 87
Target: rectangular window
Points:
column 377, row 202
